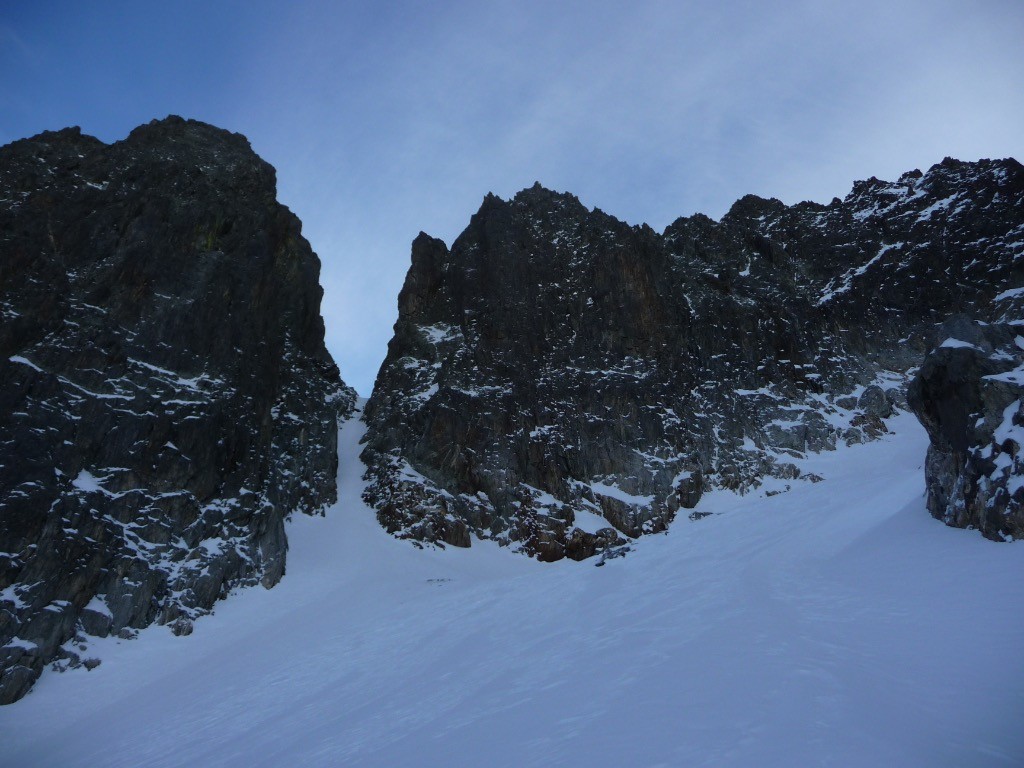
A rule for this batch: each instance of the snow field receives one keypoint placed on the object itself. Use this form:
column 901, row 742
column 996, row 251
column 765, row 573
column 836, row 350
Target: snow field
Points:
column 834, row 624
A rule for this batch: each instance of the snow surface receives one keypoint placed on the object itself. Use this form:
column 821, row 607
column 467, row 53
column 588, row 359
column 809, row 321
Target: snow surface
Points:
column 958, row 344
column 589, row 522
column 25, row 361
column 836, row 623
column 87, row 481
column 1010, row 294
column 96, row 605
column 614, row 492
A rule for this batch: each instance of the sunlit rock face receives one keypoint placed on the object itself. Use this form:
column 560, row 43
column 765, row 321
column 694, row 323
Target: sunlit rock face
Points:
column 166, row 399
column 561, row 381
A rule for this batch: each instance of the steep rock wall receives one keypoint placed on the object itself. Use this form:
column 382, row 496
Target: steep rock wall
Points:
column 560, row 381
column 166, row 399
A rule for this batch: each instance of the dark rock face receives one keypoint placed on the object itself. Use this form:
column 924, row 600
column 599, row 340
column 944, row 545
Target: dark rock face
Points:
column 166, row 399
column 560, row 380
column 969, row 394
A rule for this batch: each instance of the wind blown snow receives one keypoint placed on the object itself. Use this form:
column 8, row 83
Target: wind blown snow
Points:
column 836, row 623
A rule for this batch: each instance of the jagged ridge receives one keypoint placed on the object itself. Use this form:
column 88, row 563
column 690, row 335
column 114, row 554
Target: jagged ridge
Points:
column 557, row 364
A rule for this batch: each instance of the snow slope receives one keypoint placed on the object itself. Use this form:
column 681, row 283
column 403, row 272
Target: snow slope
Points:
column 835, row 624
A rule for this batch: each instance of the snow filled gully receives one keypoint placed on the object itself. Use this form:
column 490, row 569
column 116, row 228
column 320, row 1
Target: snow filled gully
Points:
column 837, row 623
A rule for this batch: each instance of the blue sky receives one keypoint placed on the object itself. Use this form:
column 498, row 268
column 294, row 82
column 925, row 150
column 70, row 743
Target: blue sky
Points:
column 387, row 118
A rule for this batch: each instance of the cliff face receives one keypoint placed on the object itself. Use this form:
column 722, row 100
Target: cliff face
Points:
column 166, row 399
column 969, row 394
column 560, row 381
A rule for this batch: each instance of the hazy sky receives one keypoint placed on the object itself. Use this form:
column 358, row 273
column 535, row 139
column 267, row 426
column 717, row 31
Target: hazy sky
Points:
column 387, row 118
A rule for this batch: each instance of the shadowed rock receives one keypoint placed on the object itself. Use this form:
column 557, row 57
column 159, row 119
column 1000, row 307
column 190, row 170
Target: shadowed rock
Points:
column 969, row 394
column 557, row 368
column 166, row 399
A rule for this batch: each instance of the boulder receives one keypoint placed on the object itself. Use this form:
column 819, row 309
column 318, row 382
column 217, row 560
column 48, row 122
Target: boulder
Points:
column 969, row 395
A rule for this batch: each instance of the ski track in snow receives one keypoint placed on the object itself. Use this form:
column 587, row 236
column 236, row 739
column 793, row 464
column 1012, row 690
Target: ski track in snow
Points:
column 834, row 624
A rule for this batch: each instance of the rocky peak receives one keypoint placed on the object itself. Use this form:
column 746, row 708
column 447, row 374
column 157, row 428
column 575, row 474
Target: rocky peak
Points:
column 564, row 381
column 166, row 399
column 753, row 207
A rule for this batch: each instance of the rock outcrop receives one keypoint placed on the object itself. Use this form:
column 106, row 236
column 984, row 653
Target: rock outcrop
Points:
column 969, row 394
column 561, row 381
column 166, row 399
